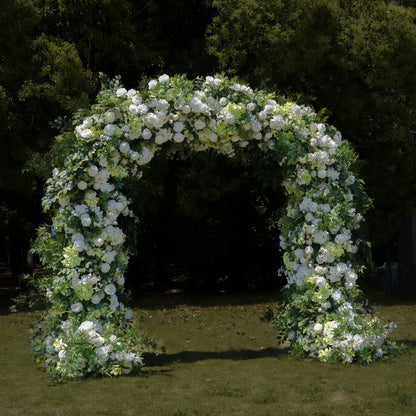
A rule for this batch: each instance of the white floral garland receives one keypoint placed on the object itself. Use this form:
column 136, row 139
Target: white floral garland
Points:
column 88, row 330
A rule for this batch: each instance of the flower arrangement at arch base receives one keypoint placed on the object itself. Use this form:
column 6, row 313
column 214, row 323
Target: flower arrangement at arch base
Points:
column 88, row 330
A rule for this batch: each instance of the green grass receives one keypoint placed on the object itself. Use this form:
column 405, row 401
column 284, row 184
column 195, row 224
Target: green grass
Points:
column 220, row 360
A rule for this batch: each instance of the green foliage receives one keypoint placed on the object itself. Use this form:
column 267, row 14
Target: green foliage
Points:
column 357, row 59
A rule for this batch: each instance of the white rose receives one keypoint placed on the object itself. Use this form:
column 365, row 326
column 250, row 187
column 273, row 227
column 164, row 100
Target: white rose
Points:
column 186, row 109
column 134, row 155
column 95, row 299
column 223, row 101
column 147, row 134
column 86, row 134
column 85, row 220
column 318, row 327
column 121, row 92
column 251, row 107
column 136, row 100
column 105, row 267
column 296, row 110
column 320, row 281
column 63, row 200
column 77, row 307
column 86, row 326
column 82, row 185
column 109, row 129
column 229, row 118
column 92, row 170
column 134, row 109
column 79, row 245
column 124, row 147
column 199, row 124
column 110, row 117
column 131, row 93
column 110, row 289
column 178, row 126
column 178, row 137
column 152, row 84
column 163, row 79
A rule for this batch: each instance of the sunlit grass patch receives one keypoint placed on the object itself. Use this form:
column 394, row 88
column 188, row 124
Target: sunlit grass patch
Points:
column 219, row 360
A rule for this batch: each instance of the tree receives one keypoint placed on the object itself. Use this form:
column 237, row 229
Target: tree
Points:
column 41, row 78
column 356, row 59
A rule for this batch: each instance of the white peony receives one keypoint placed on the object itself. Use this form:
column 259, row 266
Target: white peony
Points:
column 110, row 289
column 163, row 79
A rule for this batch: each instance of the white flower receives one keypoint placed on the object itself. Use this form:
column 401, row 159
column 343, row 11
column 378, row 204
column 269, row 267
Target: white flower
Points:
column 199, row 124
column 86, row 326
column 134, row 109
column 145, row 157
column 110, row 117
column 109, row 129
column 299, row 253
column 136, row 99
column 131, row 93
column 109, row 256
column 134, row 155
column 85, row 220
column 86, row 134
column 320, row 281
column 223, row 101
column 291, row 335
column 110, row 289
column 63, row 200
column 178, row 126
column 336, row 295
column 105, row 267
column 92, row 170
column 121, row 92
column 268, row 109
column 318, row 327
column 251, row 107
column 229, row 118
column 152, row 84
column 147, row 134
column 95, row 299
column 77, row 307
column 277, row 123
column 82, row 185
column 124, row 147
column 163, row 79
column 79, row 245
column 178, row 137
column 102, row 353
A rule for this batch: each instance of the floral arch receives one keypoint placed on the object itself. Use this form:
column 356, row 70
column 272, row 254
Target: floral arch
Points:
column 87, row 329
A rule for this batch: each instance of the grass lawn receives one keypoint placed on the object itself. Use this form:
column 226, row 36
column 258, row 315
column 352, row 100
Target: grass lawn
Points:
column 220, row 360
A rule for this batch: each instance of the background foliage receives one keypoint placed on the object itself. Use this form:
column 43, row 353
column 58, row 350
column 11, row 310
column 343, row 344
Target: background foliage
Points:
column 355, row 59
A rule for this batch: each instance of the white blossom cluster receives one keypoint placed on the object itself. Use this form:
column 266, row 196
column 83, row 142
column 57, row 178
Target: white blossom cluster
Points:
column 120, row 136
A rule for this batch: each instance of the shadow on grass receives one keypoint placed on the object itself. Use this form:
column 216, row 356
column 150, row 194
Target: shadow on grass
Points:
column 171, row 301
column 153, row 360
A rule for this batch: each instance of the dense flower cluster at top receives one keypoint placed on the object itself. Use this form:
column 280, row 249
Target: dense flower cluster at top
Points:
column 88, row 329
